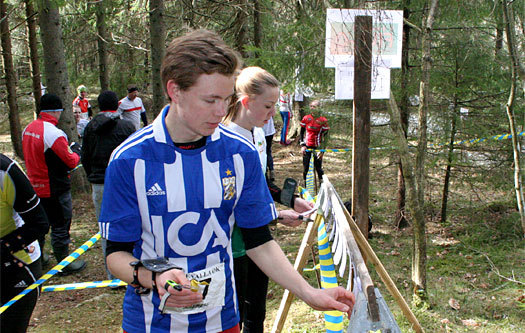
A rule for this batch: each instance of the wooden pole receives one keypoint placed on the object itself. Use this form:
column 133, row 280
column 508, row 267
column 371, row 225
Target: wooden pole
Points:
column 300, row 262
column 361, row 130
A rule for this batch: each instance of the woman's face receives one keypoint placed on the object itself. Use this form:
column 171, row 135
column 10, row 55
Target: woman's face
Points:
column 260, row 108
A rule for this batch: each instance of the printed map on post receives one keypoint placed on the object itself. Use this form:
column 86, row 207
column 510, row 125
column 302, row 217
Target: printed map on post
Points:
column 387, row 30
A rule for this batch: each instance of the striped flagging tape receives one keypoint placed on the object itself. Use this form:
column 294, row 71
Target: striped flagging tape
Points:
column 85, row 285
column 67, row 260
column 498, row 137
column 333, row 319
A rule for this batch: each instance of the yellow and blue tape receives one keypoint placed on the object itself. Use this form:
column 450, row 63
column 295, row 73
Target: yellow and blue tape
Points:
column 498, row 137
column 333, row 319
column 84, row 285
column 69, row 259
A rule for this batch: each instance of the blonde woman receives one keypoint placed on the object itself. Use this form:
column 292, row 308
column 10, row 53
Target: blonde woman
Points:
column 256, row 93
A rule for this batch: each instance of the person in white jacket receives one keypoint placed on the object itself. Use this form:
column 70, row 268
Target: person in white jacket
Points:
column 253, row 105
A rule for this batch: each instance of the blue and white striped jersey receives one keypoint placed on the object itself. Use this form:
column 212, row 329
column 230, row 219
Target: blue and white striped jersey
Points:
column 182, row 204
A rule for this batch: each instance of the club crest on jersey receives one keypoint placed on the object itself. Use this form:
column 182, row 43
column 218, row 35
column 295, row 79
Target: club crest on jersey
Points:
column 228, row 184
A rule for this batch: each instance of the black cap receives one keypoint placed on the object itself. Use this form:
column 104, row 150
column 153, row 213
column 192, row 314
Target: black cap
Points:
column 107, row 101
column 132, row 88
column 50, row 102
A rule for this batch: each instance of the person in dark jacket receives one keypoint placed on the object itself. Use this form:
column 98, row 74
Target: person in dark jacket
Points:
column 101, row 136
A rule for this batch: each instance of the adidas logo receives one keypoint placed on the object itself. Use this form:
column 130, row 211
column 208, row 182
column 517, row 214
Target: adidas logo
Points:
column 156, row 190
column 21, row 284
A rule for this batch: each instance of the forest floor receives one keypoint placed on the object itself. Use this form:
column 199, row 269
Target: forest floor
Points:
column 475, row 260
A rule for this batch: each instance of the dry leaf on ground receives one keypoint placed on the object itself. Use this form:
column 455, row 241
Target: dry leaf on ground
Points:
column 454, row 304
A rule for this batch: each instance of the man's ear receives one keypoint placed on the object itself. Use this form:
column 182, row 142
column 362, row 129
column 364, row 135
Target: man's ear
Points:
column 173, row 91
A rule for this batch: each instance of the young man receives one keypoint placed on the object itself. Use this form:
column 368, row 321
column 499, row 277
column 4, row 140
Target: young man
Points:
column 175, row 190
column 132, row 109
column 82, row 102
column 316, row 129
column 48, row 161
column 102, row 135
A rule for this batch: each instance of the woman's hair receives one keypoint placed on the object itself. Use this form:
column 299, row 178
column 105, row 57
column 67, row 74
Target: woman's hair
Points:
column 196, row 53
column 251, row 82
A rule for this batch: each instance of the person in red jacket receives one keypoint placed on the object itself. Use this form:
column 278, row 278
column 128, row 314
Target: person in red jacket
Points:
column 49, row 159
column 316, row 129
column 82, row 103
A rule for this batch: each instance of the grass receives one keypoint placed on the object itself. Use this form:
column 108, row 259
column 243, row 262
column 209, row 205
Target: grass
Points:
column 476, row 257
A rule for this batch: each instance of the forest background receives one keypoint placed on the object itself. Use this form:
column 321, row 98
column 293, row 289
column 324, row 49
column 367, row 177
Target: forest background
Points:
column 455, row 209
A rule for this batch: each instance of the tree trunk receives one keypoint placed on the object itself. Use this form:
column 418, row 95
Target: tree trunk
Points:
column 518, row 184
column 158, row 40
column 240, row 28
column 10, row 76
column 257, row 26
column 33, row 52
column 419, row 259
column 57, row 80
column 401, row 221
column 102, row 39
column 498, row 42
column 450, row 157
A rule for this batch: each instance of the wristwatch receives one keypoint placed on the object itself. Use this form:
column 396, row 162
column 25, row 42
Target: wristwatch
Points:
column 158, row 266
column 139, row 289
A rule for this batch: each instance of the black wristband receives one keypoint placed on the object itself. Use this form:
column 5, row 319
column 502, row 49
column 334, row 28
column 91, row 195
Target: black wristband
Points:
column 139, row 289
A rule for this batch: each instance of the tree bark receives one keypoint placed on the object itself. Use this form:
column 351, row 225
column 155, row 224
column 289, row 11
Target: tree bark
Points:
column 518, row 184
column 33, row 52
column 419, row 259
column 10, row 75
column 158, row 46
column 416, row 210
column 257, row 26
column 102, row 39
column 55, row 70
column 240, row 28
column 401, row 221
column 450, row 158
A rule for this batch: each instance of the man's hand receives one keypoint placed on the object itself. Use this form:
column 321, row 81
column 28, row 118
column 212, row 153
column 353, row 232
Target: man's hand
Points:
column 289, row 218
column 76, row 148
column 303, row 150
column 183, row 298
column 331, row 299
column 301, row 205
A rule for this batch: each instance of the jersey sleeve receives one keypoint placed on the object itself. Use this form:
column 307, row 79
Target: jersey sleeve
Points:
column 255, row 207
column 304, row 121
column 26, row 198
column 62, row 150
column 119, row 218
column 26, row 203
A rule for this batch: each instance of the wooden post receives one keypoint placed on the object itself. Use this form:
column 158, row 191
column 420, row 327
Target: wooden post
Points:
column 300, row 263
column 361, row 131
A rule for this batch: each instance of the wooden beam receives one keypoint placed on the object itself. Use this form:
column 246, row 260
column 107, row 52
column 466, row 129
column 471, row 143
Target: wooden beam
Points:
column 357, row 259
column 361, row 130
column 367, row 250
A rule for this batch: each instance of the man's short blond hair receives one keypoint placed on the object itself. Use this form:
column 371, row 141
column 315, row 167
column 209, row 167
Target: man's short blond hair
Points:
column 196, row 53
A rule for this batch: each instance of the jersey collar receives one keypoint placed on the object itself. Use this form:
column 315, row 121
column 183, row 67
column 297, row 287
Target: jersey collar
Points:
column 49, row 118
